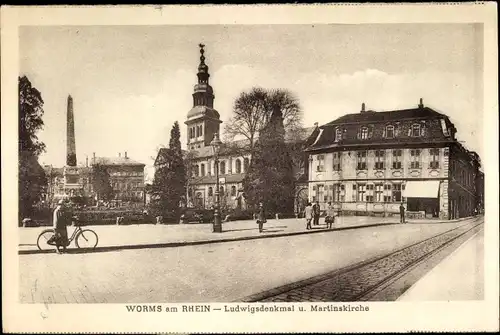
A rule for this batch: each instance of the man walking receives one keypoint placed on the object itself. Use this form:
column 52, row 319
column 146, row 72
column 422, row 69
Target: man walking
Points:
column 308, row 214
column 402, row 213
column 316, row 212
column 330, row 216
column 261, row 217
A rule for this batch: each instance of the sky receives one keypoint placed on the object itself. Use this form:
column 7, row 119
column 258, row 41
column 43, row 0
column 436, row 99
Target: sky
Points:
column 131, row 83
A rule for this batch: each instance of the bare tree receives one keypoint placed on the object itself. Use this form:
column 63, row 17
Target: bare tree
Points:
column 252, row 111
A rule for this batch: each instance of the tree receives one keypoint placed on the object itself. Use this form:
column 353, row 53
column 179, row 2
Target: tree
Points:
column 101, row 182
column 169, row 184
column 252, row 112
column 270, row 178
column 32, row 179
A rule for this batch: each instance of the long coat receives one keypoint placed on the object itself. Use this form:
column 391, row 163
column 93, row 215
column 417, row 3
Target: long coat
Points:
column 308, row 213
column 261, row 215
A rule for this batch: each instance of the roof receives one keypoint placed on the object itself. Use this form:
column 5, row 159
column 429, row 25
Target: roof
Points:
column 395, row 115
column 203, row 111
column 115, row 161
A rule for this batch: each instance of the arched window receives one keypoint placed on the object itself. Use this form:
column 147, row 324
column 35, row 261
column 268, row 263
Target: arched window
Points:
column 222, row 169
column 202, row 168
column 221, row 190
column 415, row 130
column 246, row 164
column 233, row 191
column 195, row 171
column 210, row 191
column 238, row 166
column 389, row 131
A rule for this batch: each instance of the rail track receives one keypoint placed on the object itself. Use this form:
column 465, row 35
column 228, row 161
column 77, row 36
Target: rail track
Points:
column 356, row 282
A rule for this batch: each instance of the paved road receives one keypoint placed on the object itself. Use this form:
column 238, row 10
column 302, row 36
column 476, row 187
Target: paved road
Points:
column 207, row 273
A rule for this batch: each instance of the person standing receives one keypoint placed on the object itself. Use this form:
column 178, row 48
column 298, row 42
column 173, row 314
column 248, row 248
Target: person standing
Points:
column 60, row 219
column 316, row 212
column 402, row 213
column 308, row 214
column 330, row 215
column 261, row 217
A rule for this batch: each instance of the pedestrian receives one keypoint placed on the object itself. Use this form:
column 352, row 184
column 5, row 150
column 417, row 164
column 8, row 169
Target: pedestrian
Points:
column 60, row 221
column 402, row 213
column 261, row 217
column 308, row 214
column 316, row 212
column 330, row 215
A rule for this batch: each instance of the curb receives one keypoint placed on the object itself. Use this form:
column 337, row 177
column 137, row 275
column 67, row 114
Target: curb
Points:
column 192, row 243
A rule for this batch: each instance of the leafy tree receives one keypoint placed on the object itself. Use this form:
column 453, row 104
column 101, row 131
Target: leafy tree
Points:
column 270, row 178
column 252, row 112
column 101, row 182
column 32, row 179
column 169, row 184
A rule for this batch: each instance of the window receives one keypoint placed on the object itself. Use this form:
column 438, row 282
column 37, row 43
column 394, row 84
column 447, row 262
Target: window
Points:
column 396, row 158
column 321, row 160
column 364, row 133
column 434, row 162
column 361, row 193
column 319, row 193
column 246, row 164
column 209, row 168
column 197, row 131
column 379, row 159
column 415, row 130
column 238, row 166
column 369, row 192
column 233, row 191
column 396, row 192
column 379, row 193
column 338, row 134
column 201, row 130
column 336, row 161
column 361, row 160
column 415, row 159
column 202, row 168
column 222, row 167
column 389, row 132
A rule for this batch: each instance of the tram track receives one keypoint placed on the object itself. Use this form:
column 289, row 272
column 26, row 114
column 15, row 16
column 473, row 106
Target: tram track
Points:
column 360, row 281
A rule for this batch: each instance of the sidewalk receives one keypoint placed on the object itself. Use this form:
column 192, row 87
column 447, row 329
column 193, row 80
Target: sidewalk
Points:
column 460, row 276
column 157, row 236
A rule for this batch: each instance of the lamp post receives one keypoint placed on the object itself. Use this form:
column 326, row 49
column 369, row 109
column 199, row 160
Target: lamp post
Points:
column 216, row 143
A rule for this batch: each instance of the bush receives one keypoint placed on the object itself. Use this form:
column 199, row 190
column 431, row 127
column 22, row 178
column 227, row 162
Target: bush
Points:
column 238, row 214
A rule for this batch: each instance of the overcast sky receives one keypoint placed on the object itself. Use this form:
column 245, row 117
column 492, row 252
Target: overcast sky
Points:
column 130, row 83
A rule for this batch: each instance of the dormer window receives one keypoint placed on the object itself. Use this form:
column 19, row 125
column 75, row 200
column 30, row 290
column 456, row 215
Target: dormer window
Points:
column 389, row 131
column 364, row 133
column 338, row 134
column 415, row 130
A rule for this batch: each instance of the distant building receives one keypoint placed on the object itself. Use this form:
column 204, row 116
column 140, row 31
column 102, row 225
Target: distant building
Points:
column 370, row 162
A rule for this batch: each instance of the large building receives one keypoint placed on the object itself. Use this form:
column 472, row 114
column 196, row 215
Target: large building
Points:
column 371, row 162
column 203, row 121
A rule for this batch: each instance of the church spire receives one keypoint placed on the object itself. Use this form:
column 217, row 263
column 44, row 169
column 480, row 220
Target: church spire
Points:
column 203, row 93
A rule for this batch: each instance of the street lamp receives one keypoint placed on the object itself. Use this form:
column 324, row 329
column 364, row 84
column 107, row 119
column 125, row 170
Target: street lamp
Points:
column 216, row 144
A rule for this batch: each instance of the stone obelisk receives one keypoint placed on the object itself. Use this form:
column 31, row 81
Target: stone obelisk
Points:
column 70, row 135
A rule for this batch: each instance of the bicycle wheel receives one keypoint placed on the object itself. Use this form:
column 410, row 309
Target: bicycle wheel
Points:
column 43, row 238
column 86, row 239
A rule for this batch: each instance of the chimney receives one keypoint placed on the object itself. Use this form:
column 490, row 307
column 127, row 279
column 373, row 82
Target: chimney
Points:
column 87, row 161
column 70, row 135
column 119, row 154
column 421, row 104
column 316, row 124
column 363, row 107
column 126, row 154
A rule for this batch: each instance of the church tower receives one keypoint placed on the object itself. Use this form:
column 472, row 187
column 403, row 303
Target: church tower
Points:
column 203, row 121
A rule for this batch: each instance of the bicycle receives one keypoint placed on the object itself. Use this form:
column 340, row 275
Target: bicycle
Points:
column 84, row 239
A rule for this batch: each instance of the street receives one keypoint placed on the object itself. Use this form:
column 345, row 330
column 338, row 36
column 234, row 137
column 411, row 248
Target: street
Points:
column 216, row 272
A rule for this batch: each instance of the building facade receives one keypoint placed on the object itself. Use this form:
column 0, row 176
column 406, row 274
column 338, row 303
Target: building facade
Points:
column 371, row 162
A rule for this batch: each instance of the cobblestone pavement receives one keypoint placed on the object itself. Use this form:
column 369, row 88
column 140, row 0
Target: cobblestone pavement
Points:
column 353, row 284
column 149, row 234
column 207, row 273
